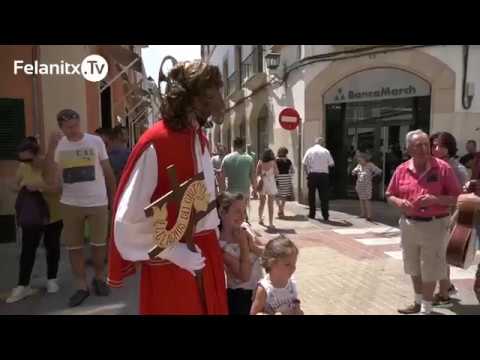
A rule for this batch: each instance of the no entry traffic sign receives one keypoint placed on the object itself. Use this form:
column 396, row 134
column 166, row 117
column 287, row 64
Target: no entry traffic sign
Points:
column 289, row 118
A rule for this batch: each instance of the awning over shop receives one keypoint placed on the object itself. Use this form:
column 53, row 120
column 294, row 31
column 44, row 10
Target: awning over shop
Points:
column 124, row 57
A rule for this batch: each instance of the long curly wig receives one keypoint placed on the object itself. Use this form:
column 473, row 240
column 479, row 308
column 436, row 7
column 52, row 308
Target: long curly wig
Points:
column 185, row 81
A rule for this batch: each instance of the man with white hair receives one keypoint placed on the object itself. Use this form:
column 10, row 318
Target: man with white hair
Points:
column 316, row 164
column 423, row 188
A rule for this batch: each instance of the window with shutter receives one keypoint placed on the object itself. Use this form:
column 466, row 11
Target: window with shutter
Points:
column 12, row 126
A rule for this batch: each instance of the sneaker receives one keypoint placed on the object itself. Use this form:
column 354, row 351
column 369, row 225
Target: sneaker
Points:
column 100, row 287
column 19, row 293
column 79, row 297
column 412, row 309
column 52, row 286
column 452, row 290
column 439, row 301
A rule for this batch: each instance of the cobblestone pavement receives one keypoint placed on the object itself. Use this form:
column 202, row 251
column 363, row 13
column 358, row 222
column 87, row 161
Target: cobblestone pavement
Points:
column 348, row 266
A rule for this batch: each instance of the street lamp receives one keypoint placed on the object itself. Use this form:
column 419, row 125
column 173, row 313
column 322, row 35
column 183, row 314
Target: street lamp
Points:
column 272, row 60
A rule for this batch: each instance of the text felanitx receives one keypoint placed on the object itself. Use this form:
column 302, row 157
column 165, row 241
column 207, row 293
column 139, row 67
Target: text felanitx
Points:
column 62, row 68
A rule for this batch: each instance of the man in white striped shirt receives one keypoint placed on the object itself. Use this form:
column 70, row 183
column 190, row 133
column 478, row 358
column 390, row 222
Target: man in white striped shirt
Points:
column 316, row 164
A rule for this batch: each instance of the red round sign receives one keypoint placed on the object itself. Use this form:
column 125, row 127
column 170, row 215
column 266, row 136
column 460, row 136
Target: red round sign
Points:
column 289, row 118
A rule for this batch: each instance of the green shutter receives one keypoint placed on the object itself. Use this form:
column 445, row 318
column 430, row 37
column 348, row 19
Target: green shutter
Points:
column 12, row 127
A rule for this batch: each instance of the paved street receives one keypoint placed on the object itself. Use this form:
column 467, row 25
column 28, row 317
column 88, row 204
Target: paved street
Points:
column 347, row 267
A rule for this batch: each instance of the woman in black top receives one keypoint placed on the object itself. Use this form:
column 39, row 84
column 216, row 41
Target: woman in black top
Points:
column 284, row 180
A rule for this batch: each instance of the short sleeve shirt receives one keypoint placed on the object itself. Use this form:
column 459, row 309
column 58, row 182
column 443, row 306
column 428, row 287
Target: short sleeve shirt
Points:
column 82, row 174
column 439, row 179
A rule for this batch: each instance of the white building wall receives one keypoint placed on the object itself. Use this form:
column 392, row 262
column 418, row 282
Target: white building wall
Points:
column 222, row 52
column 462, row 123
column 63, row 91
column 452, row 55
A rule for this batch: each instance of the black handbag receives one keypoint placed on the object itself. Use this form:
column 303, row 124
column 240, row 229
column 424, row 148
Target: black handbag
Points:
column 31, row 208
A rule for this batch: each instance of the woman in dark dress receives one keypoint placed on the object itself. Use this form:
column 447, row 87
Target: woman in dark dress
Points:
column 284, row 180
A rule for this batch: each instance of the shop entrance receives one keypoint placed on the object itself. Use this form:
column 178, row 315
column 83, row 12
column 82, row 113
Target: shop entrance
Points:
column 377, row 127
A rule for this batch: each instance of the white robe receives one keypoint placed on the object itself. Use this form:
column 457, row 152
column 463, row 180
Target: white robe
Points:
column 133, row 231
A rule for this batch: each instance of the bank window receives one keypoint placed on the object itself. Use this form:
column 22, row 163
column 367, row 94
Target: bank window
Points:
column 12, row 127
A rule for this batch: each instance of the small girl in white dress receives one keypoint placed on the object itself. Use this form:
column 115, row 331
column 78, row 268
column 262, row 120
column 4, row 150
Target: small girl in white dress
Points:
column 241, row 253
column 267, row 170
column 277, row 291
column 365, row 171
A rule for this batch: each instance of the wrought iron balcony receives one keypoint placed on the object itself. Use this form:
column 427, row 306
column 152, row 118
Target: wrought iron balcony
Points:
column 253, row 64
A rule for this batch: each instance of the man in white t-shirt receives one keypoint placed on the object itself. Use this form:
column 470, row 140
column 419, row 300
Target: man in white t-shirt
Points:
column 80, row 162
column 316, row 164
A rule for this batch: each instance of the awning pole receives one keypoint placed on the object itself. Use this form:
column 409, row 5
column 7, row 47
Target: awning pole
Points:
column 132, row 125
column 134, row 108
column 119, row 101
column 119, row 74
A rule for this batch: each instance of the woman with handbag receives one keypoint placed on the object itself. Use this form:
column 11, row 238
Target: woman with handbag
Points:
column 267, row 170
column 38, row 213
column 444, row 147
column 284, row 180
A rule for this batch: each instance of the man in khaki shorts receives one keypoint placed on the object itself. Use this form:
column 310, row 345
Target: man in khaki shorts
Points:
column 423, row 188
column 80, row 162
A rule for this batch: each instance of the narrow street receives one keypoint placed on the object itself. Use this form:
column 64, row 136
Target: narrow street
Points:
column 347, row 267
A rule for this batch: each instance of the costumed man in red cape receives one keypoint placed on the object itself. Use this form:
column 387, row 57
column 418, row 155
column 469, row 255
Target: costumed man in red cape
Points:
column 168, row 282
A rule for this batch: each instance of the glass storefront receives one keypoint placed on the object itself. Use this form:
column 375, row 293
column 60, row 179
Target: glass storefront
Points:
column 371, row 111
column 377, row 128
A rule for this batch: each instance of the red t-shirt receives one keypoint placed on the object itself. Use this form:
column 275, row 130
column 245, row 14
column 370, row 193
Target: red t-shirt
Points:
column 439, row 179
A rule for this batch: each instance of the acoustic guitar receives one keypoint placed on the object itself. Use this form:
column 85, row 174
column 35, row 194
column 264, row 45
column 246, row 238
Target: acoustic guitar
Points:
column 461, row 245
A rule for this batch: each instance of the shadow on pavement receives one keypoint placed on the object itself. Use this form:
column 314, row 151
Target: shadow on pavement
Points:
column 343, row 223
column 280, row 231
column 460, row 309
column 383, row 213
column 436, row 313
column 294, row 218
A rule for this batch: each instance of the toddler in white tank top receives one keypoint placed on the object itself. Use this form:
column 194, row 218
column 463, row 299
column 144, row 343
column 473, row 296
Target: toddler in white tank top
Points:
column 277, row 292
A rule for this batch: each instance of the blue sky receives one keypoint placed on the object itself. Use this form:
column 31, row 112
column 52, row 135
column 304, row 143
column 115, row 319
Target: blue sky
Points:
column 154, row 54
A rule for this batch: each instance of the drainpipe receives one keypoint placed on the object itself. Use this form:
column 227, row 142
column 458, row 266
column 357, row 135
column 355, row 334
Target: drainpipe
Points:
column 467, row 88
column 300, row 158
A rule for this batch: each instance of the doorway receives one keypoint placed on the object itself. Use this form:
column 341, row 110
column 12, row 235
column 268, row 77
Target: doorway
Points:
column 377, row 128
column 106, row 108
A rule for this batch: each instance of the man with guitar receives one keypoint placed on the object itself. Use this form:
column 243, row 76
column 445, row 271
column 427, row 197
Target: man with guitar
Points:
column 423, row 188
column 472, row 201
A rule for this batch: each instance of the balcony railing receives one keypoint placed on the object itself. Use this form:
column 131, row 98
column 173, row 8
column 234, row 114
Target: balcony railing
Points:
column 253, row 64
